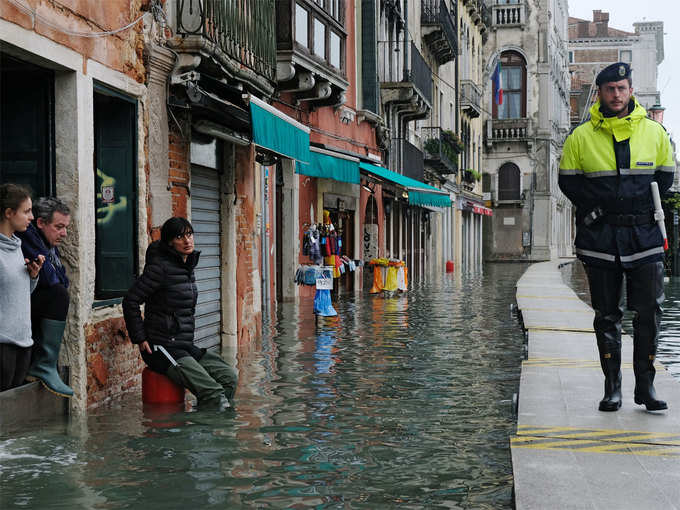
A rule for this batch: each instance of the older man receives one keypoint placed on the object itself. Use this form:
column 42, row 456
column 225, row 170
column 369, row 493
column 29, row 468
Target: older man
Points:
column 50, row 300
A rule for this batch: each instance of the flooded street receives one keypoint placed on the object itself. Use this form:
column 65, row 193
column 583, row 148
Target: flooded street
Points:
column 397, row 402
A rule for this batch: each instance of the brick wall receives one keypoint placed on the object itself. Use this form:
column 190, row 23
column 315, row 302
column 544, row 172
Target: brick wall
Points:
column 114, row 366
column 179, row 170
column 249, row 316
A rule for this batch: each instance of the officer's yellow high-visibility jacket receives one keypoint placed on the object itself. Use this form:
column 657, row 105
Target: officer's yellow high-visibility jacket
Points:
column 609, row 162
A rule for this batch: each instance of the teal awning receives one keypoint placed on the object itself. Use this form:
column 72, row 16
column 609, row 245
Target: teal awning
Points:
column 419, row 193
column 327, row 166
column 275, row 131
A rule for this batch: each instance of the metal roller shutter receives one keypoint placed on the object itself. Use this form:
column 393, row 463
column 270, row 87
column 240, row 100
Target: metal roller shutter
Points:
column 205, row 217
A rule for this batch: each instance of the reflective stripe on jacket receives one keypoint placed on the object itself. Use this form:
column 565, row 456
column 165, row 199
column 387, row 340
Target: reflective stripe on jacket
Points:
column 609, row 162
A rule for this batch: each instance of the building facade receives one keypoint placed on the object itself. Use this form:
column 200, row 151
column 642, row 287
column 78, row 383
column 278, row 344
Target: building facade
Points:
column 594, row 44
column 524, row 136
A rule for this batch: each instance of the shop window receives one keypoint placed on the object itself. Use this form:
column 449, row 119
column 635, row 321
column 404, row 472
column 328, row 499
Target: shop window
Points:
column 115, row 136
column 26, row 125
column 514, row 83
column 509, row 182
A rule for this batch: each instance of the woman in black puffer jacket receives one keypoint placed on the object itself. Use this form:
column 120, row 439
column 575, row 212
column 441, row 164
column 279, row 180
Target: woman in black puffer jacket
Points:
column 166, row 332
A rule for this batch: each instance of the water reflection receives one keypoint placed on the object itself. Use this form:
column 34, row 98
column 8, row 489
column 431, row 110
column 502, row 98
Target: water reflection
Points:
column 398, row 401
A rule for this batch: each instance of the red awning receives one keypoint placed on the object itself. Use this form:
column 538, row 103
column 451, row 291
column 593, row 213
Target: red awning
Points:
column 480, row 209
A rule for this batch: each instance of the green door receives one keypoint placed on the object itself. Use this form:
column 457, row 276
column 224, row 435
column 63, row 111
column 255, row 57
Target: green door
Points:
column 26, row 125
column 115, row 193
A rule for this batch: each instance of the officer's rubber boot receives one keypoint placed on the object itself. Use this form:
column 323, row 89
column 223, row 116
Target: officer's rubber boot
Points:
column 606, row 292
column 45, row 356
column 645, row 298
column 611, row 367
column 645, row 394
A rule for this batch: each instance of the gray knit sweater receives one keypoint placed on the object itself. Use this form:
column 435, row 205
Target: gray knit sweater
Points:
column 15, row 294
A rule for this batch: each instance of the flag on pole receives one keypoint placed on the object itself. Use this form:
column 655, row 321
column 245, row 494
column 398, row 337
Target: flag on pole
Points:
column 497, row 84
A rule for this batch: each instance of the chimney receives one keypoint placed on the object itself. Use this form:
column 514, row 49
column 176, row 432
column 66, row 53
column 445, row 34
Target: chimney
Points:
column 583, row 29
column 601, row 20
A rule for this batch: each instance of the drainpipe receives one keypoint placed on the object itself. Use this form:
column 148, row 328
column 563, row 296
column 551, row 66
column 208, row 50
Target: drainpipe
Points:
column 406, row 48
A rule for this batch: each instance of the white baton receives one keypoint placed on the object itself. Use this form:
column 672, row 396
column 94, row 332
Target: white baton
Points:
column 658, row 213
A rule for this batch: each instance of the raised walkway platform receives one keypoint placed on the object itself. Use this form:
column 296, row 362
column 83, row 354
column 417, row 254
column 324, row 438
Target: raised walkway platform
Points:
column 566, row 454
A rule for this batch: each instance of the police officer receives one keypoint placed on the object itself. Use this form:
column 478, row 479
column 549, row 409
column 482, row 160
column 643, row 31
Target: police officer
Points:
column 606, row 170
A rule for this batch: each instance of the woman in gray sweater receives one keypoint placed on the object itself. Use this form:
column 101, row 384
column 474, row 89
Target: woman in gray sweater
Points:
column 18, row 278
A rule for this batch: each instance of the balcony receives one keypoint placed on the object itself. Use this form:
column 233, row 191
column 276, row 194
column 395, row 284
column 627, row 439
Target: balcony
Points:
column 508, row 15
column 470, row 98
column 441, row 150
column 407, row 94
column 507, row 130
column 310, row 52
column 238, row 35
column 439, row 30
column 407, row 159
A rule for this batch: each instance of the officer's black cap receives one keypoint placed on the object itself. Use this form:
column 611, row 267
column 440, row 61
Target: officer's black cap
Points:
column 615, row 72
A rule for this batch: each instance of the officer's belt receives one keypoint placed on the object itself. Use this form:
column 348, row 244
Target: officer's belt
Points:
column 628, row 220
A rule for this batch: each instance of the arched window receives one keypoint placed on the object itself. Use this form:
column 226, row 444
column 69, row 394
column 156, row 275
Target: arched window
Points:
column 514, row 84
column 508, row 182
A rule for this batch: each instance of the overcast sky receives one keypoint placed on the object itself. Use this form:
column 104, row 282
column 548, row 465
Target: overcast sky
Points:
column 622, row 15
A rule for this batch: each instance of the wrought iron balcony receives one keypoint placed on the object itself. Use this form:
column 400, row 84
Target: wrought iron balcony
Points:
column 507, row 130
column 398, row 86
column 470, row 98
column 440, row 150
column 508, row 15
column 439, row 30
column 407, row 159
column 242, row 30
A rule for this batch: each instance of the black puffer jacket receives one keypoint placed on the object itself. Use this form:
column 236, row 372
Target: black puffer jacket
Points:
column 168, row 288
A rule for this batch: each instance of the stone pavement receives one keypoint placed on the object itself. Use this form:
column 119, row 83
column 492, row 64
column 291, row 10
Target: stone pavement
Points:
column 566, row 454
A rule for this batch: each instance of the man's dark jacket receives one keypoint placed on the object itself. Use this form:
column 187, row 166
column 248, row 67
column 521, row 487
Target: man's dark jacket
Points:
column 33, row 243
column 168, row 288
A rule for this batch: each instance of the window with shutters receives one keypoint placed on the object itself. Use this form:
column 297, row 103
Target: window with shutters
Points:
column 115, row 142
column 509, row 182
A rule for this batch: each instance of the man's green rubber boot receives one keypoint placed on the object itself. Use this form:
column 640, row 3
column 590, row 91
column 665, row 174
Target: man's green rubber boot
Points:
column 46, row 354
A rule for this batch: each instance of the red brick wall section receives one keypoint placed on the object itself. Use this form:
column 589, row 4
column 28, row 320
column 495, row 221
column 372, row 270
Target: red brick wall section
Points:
column 114, row 366
column 122, row 51
column 179, row 170
column 248, row 246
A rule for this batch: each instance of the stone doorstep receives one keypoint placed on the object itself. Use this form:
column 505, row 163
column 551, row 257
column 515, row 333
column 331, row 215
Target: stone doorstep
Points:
column 29, row 403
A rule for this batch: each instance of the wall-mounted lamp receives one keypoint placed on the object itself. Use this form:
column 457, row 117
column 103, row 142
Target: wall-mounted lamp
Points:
column 369, row 186
column 306, row 181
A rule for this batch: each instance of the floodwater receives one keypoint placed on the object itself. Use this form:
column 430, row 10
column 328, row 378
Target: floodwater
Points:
column 669, row 337
column 398, row 402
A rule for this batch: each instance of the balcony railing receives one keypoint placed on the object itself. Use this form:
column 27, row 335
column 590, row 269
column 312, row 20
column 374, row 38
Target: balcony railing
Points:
column 439, row 30
column 504, row 130
column 391, row 67
column 421, row 74
column 470, row 98
column 440, row 151
column 508, row 15
column 242, row 29
column 407, row 158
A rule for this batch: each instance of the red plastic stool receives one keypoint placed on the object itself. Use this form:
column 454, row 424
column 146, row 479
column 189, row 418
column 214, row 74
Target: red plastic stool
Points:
column 160, row 389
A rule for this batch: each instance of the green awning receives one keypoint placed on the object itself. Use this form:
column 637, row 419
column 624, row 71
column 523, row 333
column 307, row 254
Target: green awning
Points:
column 328, row 166
column 419, row 193
column 275, row 131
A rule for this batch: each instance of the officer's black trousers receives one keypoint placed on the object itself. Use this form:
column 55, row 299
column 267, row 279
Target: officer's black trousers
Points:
column 644, row 292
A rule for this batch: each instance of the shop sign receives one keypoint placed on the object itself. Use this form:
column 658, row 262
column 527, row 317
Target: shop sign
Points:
column 370, row 241
column 324, row 283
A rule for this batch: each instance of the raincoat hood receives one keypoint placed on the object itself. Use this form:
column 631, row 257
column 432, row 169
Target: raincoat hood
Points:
column 9, row 244
column 620, row 128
